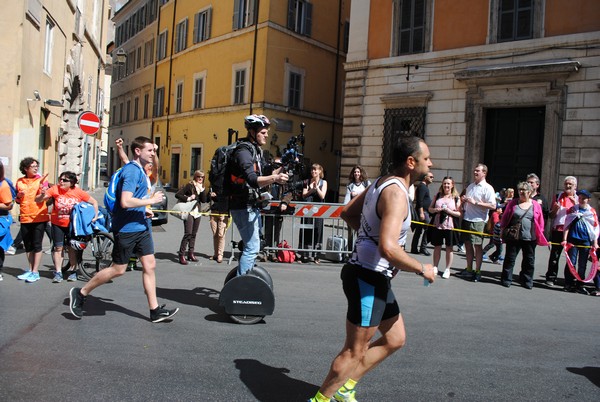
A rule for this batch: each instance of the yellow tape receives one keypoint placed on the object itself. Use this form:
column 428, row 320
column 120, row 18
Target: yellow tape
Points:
column 181, row 212
column 454, row 230
column 484, row 234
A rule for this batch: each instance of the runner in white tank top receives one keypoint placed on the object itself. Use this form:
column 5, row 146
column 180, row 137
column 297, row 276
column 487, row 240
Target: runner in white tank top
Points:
column 381, row 216
column 366, row 253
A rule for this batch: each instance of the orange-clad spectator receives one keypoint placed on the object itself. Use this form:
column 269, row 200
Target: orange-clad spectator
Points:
column 33, row 216
column 65, row 195
column 6, row 204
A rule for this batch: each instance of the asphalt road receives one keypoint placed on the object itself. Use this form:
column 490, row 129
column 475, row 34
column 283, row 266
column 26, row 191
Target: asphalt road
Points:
column 465, row 341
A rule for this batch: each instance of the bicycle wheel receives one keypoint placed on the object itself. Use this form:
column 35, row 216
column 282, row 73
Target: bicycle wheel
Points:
column 97, row 255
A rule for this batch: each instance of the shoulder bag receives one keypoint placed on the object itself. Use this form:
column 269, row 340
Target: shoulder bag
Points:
column 512, row 233
column 182, row 210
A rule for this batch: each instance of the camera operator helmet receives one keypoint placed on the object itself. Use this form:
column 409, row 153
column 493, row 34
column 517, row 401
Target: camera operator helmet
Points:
column 256, row 122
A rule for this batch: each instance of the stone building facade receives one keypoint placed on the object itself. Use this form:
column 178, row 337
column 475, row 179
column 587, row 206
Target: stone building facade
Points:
column 451, row 72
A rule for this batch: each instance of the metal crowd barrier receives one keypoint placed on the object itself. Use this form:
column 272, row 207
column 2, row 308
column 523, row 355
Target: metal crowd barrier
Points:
column 310, row 229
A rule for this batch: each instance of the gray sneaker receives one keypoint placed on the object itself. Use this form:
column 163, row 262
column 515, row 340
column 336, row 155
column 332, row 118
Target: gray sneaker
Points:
column 58, row 278
column 76, row 300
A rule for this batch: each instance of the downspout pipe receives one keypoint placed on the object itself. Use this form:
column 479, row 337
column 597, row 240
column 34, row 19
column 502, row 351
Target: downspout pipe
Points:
column 336, row 74
column 254, row 55
column 171, row 68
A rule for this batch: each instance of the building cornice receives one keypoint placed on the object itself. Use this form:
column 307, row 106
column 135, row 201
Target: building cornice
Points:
column 532, row 71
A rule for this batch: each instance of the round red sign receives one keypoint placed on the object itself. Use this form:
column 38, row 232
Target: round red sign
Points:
column 89, row 123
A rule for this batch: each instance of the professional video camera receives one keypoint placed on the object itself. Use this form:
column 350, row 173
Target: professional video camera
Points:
column 292, row 160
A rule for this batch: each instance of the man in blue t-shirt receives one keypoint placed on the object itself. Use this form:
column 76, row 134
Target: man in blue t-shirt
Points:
column 132, row 229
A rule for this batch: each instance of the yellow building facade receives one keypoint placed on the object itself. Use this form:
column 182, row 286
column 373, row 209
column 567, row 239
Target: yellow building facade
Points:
column 216, row 62
column 52, row 70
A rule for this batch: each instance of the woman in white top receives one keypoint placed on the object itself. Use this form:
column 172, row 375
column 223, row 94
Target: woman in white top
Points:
column 358, row 182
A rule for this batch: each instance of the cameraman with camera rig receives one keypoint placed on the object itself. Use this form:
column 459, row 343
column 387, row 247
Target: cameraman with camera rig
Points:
column 245, row 180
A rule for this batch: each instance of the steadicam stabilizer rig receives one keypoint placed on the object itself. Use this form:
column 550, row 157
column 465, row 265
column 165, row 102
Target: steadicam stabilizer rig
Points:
column 248, row 298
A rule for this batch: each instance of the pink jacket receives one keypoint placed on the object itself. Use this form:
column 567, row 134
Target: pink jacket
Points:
column 538, row 219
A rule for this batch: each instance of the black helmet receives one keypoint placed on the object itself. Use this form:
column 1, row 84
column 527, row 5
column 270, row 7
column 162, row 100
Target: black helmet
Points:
column 256, row 122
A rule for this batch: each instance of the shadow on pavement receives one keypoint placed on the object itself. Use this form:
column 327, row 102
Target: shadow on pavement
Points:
column 99, row 306
column 271, row 384
column 591, row 373
column 202, row 297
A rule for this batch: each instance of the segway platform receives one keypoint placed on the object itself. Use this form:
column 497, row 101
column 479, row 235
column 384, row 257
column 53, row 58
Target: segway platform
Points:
column 247, row 299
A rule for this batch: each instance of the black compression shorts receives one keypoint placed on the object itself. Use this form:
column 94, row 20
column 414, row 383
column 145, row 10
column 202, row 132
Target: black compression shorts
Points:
column 369, row 294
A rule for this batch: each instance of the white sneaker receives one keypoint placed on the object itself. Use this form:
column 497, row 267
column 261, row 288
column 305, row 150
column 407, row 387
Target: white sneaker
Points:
column 11, row 250
column 1, row 277
column 446, row 273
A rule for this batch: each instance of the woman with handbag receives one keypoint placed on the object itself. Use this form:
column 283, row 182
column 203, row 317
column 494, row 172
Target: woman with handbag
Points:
column 522, row 229
column 443, row 209
column 193, row 192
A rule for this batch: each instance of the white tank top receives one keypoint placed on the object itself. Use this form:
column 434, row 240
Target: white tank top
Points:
column 366, row 252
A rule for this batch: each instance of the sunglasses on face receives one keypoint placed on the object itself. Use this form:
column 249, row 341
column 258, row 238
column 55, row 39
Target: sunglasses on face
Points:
column 63, row 180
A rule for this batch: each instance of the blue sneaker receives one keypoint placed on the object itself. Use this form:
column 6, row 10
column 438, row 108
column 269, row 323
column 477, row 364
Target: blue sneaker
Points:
column 486, row 258
column 24, row 275
column 33, row 277
column 58, row 278
column 72, row 277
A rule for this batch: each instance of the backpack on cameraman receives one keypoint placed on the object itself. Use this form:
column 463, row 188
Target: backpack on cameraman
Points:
column 220, row 168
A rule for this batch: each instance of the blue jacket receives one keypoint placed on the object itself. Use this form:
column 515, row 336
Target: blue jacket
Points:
column 81, row 220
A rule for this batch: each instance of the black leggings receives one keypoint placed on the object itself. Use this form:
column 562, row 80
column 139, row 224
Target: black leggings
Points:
column 33, row 236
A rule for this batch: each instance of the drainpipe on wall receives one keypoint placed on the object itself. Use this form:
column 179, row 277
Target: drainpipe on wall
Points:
column 254, row 54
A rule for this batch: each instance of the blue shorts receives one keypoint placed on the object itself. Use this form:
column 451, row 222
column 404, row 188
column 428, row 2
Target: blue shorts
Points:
column 369, row 294
column 132, row 244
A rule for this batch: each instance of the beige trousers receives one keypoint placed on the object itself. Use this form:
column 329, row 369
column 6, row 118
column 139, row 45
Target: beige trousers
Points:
column 218, row 225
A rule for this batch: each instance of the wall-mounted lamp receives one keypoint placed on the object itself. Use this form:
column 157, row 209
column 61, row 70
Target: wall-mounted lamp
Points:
column 36, row 97
column 274, row 139
column 52, row 102
column 215, row 136
column 120, row 56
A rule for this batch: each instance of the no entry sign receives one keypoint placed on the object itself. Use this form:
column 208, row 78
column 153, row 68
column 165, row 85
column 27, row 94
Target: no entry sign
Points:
column 89, row 123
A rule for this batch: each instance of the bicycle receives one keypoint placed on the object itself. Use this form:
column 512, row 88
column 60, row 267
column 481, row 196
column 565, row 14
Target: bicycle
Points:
column 96, row 255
